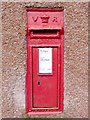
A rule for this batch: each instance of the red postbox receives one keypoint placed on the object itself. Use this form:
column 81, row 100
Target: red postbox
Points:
column 45, row 56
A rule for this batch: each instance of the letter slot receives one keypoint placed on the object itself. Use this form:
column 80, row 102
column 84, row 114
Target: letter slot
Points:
column 45, row 33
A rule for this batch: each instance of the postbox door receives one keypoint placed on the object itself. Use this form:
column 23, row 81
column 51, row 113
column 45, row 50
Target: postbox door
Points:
column 45, row 78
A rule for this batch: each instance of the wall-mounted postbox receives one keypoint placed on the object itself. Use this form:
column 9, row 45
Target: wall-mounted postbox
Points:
column 45, row 56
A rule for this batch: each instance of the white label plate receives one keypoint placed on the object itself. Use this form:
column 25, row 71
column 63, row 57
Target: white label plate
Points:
column 45, row 60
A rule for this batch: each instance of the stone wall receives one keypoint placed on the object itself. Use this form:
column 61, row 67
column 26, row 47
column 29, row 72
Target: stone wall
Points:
column 75, row 58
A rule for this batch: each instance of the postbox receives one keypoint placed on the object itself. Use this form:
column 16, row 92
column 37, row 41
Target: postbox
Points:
column 45, row 61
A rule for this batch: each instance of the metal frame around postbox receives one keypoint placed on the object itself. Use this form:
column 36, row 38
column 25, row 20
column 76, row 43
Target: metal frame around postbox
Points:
column 37, row 111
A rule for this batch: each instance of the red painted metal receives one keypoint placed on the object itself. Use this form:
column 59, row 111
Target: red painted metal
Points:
column 45, row 92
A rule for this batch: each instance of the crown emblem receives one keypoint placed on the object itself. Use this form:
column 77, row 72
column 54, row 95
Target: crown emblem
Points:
column 45, row 19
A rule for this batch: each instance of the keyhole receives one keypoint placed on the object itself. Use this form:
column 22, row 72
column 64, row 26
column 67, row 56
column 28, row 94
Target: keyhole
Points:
column 38, row 83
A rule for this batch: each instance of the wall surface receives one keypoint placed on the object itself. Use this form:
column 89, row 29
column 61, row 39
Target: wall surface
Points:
column 75, row 58
column 0, row 64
